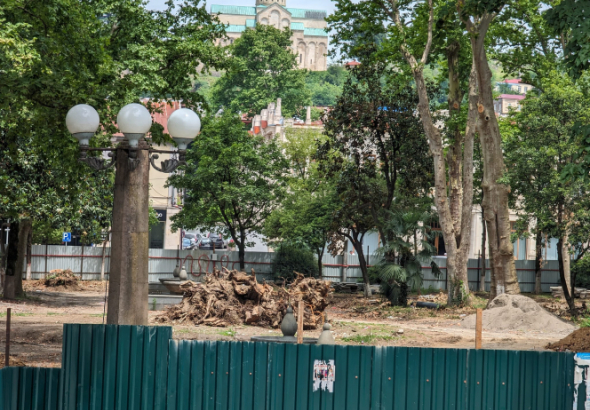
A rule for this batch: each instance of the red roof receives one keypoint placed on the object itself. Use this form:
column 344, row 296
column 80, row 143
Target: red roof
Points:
column 513, row 81
column 511, row 97
column 352, row 63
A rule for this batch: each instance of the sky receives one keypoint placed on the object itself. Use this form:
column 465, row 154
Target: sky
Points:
column 326, row 5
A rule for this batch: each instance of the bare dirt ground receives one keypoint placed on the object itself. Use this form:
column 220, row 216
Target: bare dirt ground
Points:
column 37, row 321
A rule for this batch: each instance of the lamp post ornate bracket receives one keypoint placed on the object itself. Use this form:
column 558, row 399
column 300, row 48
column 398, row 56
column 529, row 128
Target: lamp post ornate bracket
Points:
column 97, row 163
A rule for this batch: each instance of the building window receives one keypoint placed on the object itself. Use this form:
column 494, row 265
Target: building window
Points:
column 157, row 231
column 300, row 58
column 519, row 88
column 550, row 250
column 519, row 246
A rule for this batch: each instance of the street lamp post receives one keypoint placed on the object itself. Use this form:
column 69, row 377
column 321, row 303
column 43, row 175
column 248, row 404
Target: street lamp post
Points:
column 128, row 277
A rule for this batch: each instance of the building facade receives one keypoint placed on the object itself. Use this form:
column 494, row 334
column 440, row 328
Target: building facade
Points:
column 310, row 37
column 506, row 102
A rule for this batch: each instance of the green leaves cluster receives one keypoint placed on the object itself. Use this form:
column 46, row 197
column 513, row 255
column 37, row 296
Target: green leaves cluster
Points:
column 263, row 68
column 232, row 180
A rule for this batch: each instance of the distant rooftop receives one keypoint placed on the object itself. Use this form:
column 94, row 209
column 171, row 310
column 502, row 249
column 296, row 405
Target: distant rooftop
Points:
column 511, row 97
column 251, row 11
column 513, row 81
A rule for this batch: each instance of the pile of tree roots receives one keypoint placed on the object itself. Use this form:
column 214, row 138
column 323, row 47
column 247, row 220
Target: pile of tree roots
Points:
column 228, row 298
column 61, row 277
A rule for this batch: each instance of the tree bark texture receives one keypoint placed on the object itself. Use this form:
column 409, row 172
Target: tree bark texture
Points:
column 482, row 275
column 569, row 297
column 538, row 261
column 495, row 200
column 241, row 250
column 128, row 278
column 17, row 249
column 29, row 241
column 358, row 246
column 102, row 263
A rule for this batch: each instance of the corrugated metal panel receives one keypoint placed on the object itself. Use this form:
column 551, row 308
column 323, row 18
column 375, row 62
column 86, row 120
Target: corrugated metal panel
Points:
column 297, row 26
column 250, row 23
column 307, row 14
column 142, row 368
column 114, row 367
column 241, row 10
column 315, row 32
column 233, row 28
column 243, row 375
column 30, row 388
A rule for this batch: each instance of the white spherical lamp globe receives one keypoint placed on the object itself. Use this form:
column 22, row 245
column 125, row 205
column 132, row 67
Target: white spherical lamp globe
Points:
column 184, row 125
column 82, row 121
column 134, row 120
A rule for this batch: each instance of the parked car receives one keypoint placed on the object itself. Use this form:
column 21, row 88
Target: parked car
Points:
column 218, row 240
column 186, row 243
column 205, row 243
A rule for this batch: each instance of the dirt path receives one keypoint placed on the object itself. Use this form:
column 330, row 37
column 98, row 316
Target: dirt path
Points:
column 37, row 326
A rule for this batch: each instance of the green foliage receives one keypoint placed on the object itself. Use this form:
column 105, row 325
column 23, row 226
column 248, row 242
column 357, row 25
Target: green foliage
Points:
column 538, row 146
column 263, row 69
column 400, row 266
column 232, row 179
column 292, row 258
column 106, row 53
column 569, row 19
column 326, row 86
column 581, row 271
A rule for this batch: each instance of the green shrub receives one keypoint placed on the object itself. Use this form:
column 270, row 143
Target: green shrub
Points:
column 289, row 259
column 582, row 271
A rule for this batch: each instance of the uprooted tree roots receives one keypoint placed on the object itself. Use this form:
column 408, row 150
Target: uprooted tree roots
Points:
column 232, row 297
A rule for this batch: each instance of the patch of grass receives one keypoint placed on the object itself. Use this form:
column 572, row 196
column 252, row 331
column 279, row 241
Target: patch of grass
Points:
column 229, row 333
column 368, row 339
column 54, row 313
column 584, row 321
column 3, row 314
column 97, row 315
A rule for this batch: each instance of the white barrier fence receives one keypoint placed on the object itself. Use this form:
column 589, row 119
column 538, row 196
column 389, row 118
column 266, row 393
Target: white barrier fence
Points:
column 87, row 262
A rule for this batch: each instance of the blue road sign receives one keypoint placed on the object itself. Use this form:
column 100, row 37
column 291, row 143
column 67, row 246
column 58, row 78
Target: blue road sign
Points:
column 67, row 237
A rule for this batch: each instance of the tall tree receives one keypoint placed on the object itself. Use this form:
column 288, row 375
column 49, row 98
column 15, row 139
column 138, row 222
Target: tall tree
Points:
column 232, row 179
column 263, row 69
column 409, row 33
column 376, row 152
column 538, row 148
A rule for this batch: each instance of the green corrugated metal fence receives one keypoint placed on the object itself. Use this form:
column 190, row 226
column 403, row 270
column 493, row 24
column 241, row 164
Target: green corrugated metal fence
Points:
column 29, row 388
column 243, row 375
column 114, row 367
column 135, row 367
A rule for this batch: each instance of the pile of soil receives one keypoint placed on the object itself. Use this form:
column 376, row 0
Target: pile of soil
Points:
column 232, row 298
column 61, row 278
column 578, row 341
column 517, row 312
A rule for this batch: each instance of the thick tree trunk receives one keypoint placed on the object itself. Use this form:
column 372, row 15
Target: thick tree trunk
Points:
column 495, row 201
column 3, row 250
column 358, row 246
column 320, row 257
column 482, row 275
column 102, row 263
column 29, row 274
column 569, row 297
column 538, row 261
column 564, row 249
column 241, row 250
column 17, row 248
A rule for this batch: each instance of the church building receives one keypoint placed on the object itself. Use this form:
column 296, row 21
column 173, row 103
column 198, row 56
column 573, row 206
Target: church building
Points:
column 310, row 36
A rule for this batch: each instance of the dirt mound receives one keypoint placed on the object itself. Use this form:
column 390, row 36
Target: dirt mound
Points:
column 578, row 341
column 516, row 312
column 231, row 298
column 61, row 277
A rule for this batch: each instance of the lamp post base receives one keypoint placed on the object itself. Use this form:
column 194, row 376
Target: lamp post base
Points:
column 128, row 278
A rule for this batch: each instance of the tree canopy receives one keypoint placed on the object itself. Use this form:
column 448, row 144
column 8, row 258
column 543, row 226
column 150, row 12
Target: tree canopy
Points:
column 263, row 68
column 232, row 180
